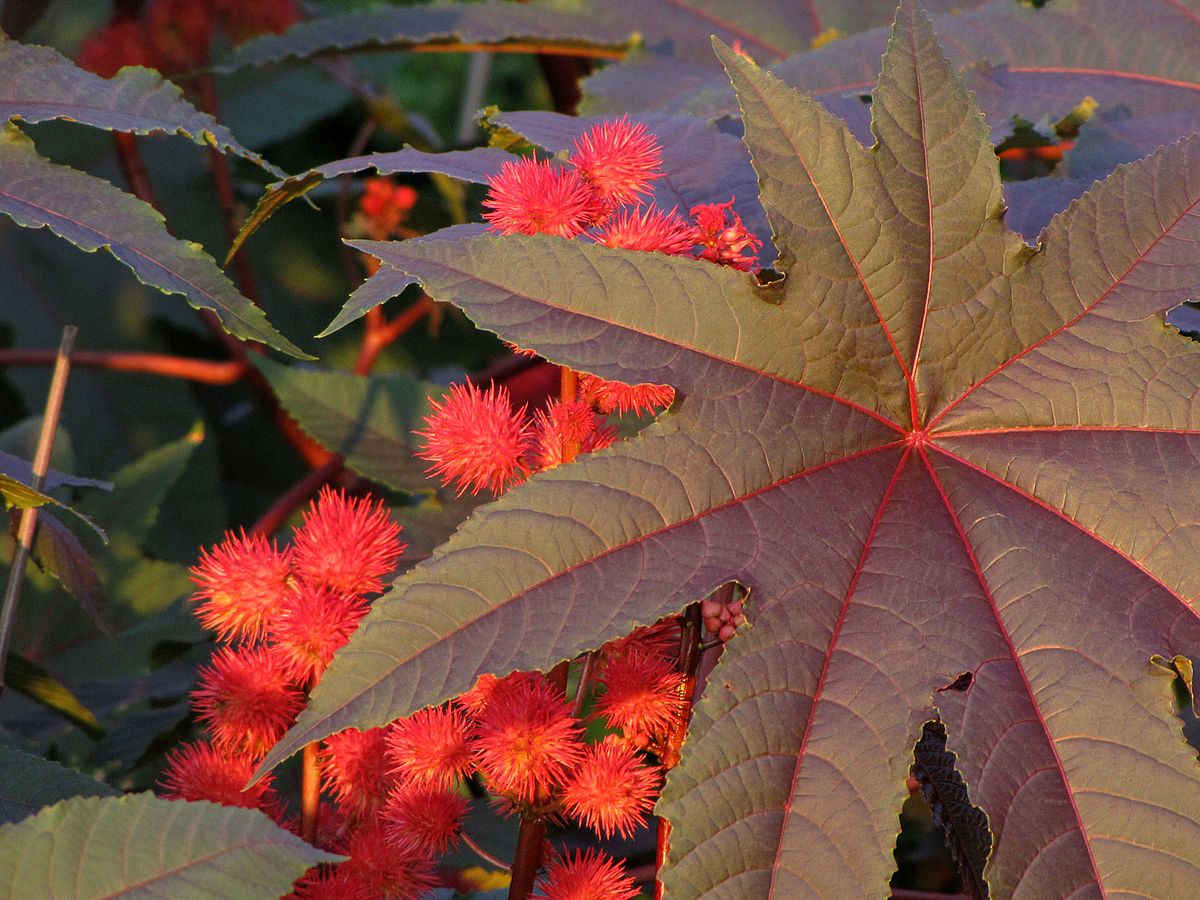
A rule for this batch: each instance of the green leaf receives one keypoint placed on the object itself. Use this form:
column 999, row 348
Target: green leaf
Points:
column 58, row 552
column 22, row 496
column 132, row 508
column 28, row 678
column 470, row 165
column 41, row 84
column 28, row 782
column 926, row 450
column 91, row 213
column 442, row 24
column 139, row 845
column 21, row 470
column 367, row 419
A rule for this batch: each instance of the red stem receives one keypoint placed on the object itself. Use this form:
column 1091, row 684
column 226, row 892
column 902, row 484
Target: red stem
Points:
column 272, row 520
column 205, row 371
column 380, row 333
column 310, row 793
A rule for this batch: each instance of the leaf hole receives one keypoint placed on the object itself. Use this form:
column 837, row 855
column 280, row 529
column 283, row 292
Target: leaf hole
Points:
column 944, row 840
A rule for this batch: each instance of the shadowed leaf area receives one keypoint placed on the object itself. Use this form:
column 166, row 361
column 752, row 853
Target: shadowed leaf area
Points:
column 927, row 450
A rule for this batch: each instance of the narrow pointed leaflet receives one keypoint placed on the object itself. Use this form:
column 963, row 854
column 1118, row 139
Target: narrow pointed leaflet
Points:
column 928, row 450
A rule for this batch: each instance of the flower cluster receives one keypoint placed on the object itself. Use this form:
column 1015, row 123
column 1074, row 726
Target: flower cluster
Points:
column 474, row 439
column 175, row 35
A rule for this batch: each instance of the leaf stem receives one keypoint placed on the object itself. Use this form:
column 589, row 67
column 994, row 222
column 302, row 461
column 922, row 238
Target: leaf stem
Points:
column 380, row 333
column 530, row 840
column 310, row 792
column 41, row 464
column 204, row 371
column 483, row 854
column 272, row 520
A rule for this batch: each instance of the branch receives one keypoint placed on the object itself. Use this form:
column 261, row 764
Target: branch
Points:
column 204, row 371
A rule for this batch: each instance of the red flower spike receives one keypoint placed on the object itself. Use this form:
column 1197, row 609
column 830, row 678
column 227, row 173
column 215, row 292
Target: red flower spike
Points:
column 200, row 771
column 379, row 868
column 476, row 440
column 644, row 694
column 615, row 396
column 618, row 159
column 529, row 196
column 430, row 747
column 586, row 875
column 612, row 791
column 564, row 430
column 526, row 741
column 726, row 243
column 428, row 815
column 346, row 544
column 246, row 19
column 242, row 582
column 246, row 699
column 313, row 624
column 488, row 686
column 118, row 44
column 648, row 229
column 386, row 205
column 356, row 770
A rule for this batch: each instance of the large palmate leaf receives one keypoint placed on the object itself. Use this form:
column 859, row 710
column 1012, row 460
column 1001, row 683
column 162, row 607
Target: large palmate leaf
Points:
column 92, row 214
column 1022, row 61
column 142, row 846
column 449, row 25
column 28, row 782
column 932, row 454
column 39, row 83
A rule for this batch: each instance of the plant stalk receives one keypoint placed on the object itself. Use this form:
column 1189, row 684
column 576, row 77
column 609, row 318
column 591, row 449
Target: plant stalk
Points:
column 204, row 371
column 530, row 841
column 41, row 464
column 310, row 793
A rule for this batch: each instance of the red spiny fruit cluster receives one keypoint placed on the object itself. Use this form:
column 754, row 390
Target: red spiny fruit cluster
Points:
column 474, row 439
column 175, row 35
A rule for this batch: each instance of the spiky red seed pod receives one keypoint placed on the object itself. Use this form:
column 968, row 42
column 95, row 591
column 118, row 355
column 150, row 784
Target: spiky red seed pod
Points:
column 644, row 694
column 618, row 159
column 379, row 868
column 612, row 790
column 245, row 20
column 346, row 543
column 476, row 440
column 313, row 624
column 429, row 815
column 116, row 45
column 564, row 430
column 430, row 747
column 241, row 583
column 246, row 698
column 526, row 740
column 648, row 229
column 356, row 770
column 180, row 31
column 586, row 875
column 660, row 640
column 200, row 771
column 616, row 396
column 531, row 196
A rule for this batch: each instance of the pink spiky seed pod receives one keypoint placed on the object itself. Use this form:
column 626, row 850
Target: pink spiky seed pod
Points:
column 356, row 770
column 430, row 747
column 616, row 396
column 585, row 875
column 612, row 790
column 487, row 687
column 346, row 543
column 379, row 868
column 649, row 230
column 241, row 583
column 200, row 771
column 526, row 741
column 475, row 439
column 619, row 159
column 313, row 624
column 643, row 696
column 429, row 815
column 564, row 430
column 531, row 196
column 246, row 698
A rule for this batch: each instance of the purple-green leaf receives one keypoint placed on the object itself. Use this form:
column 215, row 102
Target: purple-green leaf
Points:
column 928, row 450
column 441, row 23
column 28, row 782
column 93, row 214
column 38, row 84
column 140, row 845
